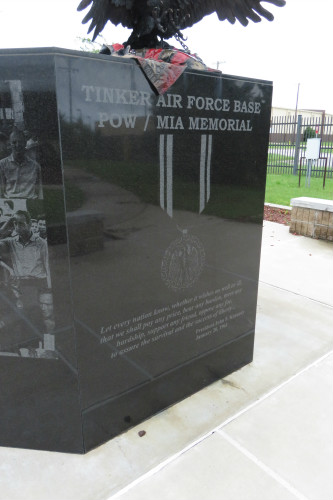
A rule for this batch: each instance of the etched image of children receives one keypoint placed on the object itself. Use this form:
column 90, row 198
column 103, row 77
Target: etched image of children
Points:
column 20, row 176
column 41, row 226
column 34, row 226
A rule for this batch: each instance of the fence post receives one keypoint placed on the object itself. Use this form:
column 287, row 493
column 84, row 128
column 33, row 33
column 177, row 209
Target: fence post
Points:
column 297, row 145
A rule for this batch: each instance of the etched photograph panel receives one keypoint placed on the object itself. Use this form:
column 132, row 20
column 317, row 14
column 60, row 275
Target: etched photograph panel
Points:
column 39, row 389
column 27, row 327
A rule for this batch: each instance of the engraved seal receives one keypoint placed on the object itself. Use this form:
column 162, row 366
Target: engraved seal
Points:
column 183, row 262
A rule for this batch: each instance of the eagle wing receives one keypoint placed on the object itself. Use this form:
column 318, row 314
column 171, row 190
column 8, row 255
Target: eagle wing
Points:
column 230, row 10
column 126, row 12
column 102, row 11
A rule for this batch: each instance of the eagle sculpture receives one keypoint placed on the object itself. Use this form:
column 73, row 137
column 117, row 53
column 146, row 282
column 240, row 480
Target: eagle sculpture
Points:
column 156, row 20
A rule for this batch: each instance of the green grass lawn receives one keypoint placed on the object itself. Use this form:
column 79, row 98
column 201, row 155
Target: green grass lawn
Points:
column 281, row 188
column 277, row 159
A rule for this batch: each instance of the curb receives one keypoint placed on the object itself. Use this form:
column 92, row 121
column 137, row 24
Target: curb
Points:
column 284, row 207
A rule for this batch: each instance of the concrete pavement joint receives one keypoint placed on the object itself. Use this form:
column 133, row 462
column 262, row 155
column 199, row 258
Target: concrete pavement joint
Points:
column 296, row 293
column 159, row 467
column 262, row 466
column 273, row 391
column 218, row 430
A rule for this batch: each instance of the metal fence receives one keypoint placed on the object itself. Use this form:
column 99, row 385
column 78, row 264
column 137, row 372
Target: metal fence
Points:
column 287, row 145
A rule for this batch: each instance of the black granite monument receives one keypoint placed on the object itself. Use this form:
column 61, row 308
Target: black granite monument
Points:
column 130, row 234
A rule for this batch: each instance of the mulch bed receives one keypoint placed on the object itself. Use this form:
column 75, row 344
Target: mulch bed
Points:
column 279, row 215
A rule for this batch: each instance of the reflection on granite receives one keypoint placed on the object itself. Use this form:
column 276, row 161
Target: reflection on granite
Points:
column 153, row 208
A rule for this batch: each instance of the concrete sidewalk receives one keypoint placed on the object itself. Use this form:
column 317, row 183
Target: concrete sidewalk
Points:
column 280, row 445
column 265, row 432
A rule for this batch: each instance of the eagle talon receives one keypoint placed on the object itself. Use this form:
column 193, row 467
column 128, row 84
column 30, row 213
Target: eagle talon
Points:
column 177, row 21
column 159, row 17
column 181, row 36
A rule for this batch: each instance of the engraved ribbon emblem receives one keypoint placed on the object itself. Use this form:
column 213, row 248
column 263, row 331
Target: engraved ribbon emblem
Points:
column 184, row 259
column 166, row 172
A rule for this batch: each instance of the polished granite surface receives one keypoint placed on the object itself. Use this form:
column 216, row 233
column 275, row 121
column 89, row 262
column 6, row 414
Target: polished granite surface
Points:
column 153, row 210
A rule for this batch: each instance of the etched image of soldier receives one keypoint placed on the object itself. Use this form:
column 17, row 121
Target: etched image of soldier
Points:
column 26, row 303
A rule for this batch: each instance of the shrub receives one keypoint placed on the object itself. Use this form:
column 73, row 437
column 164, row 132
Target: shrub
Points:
column 309, row 133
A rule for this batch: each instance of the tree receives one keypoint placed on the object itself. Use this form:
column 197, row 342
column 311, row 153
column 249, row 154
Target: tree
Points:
column 87, row 45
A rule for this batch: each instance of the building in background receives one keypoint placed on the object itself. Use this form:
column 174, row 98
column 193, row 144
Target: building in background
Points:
column 316, row 114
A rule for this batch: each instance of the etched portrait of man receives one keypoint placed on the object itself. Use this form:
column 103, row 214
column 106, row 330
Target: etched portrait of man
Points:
column 20, row 176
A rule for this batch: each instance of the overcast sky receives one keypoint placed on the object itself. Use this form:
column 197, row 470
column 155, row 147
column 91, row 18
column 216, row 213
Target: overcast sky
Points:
column 295, row 48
